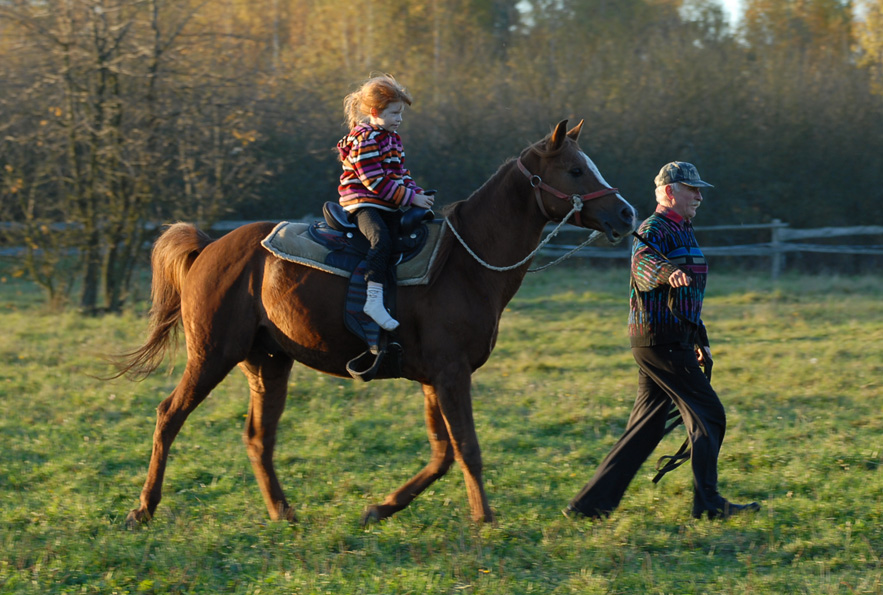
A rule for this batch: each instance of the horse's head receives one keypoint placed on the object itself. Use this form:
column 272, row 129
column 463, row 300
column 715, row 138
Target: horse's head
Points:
column 565, row 179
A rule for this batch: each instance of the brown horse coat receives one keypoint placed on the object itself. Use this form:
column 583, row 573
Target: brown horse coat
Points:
column 241, row 306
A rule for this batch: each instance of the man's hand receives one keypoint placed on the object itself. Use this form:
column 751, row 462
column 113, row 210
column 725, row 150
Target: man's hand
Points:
column 703, row 354
column 679, row 279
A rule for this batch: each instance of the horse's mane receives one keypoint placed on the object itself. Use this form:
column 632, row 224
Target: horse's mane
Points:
column 452, row 213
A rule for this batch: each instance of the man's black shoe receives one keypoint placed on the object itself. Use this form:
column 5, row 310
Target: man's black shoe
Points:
column 573, row 513
column 726, row 511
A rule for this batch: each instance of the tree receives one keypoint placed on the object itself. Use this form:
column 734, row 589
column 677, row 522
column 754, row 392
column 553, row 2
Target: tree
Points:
column 118, row 114
column 813, row 28
column 869, row 37
column 134, row 129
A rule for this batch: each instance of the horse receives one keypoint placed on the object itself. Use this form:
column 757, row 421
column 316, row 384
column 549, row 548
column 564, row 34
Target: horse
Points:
column 240, row 305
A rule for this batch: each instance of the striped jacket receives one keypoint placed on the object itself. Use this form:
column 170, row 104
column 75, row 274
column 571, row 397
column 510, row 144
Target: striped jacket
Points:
column 374, row 173
column 660, row 314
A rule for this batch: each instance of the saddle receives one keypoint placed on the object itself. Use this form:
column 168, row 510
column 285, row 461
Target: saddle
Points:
column 342, row 237
column 335, row 245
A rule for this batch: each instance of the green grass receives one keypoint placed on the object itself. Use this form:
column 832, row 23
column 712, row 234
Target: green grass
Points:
column 798, row 365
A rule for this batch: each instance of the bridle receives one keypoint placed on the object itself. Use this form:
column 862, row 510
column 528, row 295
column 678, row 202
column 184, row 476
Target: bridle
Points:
column 576, row 200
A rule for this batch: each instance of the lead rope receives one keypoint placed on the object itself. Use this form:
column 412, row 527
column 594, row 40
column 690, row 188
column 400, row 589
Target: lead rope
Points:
column 577, row 206
column 594, row 236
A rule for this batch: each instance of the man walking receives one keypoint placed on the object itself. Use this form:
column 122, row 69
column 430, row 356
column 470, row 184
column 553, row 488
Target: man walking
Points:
column 670, row 346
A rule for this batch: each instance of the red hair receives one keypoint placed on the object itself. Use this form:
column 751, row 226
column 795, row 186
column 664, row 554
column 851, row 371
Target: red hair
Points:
column 374, row 94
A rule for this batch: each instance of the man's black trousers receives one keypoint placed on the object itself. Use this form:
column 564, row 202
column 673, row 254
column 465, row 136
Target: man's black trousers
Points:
column 667, row 373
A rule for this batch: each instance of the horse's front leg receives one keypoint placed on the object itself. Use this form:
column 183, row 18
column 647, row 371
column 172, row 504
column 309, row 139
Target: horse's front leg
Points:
column 455, row 400
column 441, row 459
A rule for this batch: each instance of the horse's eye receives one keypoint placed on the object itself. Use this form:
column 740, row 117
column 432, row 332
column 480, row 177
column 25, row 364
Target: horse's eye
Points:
column 576, row 172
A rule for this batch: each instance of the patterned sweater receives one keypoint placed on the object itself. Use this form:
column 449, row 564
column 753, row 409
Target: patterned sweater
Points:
column 652, row 300
column 374, row 173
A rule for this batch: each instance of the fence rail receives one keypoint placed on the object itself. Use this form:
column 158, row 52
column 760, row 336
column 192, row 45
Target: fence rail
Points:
column 781, row 241
column 779, row 245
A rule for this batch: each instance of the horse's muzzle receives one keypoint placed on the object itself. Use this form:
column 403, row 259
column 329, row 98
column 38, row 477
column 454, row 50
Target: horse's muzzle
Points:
column 623, row 224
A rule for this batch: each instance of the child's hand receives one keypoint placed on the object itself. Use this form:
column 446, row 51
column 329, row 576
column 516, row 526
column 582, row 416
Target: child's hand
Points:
column 423, row 201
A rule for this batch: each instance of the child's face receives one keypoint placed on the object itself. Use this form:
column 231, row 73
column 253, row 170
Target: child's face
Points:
column 390, row 118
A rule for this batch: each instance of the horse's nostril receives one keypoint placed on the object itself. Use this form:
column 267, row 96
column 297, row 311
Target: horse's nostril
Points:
column 627, row 214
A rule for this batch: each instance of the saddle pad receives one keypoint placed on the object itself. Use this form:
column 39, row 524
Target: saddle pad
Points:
column 292, row 242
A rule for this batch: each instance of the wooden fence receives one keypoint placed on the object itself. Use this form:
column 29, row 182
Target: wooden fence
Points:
column 782, row 241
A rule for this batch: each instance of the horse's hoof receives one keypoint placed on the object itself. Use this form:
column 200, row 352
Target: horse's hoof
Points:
column 282, row 512
column 137, row 517
column 370, row 516
column 485, row 518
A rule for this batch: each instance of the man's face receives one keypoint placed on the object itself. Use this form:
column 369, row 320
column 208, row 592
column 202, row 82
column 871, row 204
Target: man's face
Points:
column 685, row 199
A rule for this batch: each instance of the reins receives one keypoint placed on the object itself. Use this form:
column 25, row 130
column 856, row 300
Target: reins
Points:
column 577, row 202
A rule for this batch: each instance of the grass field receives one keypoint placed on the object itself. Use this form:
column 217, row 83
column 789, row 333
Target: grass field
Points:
column 798, row 365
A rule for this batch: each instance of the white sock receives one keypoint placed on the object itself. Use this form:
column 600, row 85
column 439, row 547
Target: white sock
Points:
column 375, row 309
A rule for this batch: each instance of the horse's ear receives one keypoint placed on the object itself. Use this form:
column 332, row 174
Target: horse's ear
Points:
column 556, row 140
column 574, row 132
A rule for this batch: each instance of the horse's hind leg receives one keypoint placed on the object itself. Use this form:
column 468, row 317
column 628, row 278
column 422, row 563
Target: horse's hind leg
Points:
column 196, row 383
column 441, row 459
column 268, row 381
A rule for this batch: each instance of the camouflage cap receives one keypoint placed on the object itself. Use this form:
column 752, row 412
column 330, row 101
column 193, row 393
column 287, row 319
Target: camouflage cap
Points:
column 680, row 171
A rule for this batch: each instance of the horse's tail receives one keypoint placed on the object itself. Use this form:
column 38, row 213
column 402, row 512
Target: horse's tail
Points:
column 173, row 254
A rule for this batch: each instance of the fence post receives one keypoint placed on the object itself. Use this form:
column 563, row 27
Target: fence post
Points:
column 778, row 252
